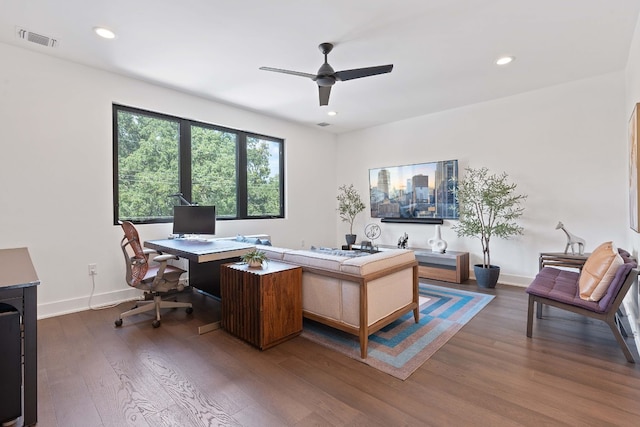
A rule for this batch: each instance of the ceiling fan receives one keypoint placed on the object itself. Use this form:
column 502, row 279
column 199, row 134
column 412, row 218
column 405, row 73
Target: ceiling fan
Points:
column 327, row 77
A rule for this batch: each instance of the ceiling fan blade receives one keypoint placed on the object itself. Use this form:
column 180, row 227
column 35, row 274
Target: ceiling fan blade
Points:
column 294, row 73
column 324, row 92
column 363, row 72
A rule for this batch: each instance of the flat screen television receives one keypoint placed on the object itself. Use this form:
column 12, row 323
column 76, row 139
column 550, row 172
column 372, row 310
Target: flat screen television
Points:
column 194, row 220
column 418, row 191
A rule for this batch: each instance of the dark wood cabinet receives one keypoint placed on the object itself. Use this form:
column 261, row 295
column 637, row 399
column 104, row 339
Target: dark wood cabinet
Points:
column 19, row 290
column 262, row 306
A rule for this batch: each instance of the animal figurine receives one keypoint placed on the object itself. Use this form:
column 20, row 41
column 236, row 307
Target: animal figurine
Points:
column 572, row 240
column 403, row 240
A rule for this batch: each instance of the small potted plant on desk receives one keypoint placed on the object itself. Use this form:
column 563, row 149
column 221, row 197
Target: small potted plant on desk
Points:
column 254, row 258
column 489, row 207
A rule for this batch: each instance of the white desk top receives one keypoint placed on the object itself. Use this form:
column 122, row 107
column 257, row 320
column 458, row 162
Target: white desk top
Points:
column 200, row 251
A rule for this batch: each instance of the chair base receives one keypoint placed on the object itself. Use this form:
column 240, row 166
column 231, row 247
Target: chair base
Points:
column 611, row 319
column 156, row 304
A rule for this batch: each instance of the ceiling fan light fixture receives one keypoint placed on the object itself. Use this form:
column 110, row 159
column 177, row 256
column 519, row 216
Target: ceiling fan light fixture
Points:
column 504, row 60
column 105, row 33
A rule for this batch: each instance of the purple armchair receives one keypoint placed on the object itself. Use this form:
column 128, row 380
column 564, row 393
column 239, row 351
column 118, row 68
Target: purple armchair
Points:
column 559, row 288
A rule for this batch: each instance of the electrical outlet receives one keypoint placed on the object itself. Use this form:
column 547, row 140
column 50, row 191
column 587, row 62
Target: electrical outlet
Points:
column 93, row 269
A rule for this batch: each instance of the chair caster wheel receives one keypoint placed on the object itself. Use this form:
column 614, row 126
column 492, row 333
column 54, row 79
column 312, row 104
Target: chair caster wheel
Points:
column 189, row 310
column 118, row 323
column 156, row 324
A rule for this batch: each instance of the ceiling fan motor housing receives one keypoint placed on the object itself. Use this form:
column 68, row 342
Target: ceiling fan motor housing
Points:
column 325, row 75
column 325, row 81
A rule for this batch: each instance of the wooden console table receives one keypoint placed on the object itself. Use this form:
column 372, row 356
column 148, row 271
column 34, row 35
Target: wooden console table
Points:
column 262, row 306
column 451, row 266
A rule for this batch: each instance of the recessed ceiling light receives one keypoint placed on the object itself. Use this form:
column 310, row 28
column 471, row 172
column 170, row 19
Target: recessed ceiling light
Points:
column 505, row 60
column 332, row 113
column 104, row 32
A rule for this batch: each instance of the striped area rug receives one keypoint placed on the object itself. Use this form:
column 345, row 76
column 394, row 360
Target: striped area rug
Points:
column 403, row 346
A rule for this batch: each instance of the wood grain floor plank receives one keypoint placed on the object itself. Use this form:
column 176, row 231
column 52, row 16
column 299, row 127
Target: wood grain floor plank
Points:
column 346, row 385
column 202, row 367
column 423, row 401
column 112, row 397
column 256, row 372
column 570, row 373
column 69, row 394
column 200, row 409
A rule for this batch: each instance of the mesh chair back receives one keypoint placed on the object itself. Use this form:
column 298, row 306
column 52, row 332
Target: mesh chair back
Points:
column 137, row 264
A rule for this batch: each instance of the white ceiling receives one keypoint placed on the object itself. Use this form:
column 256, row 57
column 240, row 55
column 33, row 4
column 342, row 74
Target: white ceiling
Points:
column 443, row 51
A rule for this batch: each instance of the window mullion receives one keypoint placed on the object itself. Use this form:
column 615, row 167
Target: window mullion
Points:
column 185, row 160
column 242, row 175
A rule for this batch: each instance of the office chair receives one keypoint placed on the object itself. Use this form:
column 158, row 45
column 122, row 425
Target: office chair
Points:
column 154, row 277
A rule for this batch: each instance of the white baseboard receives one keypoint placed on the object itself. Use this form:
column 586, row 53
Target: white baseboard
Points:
column 74, row 305
column 510, row 279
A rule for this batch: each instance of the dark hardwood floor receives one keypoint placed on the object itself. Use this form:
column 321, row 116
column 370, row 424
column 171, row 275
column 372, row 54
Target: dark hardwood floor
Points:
column 571, row 372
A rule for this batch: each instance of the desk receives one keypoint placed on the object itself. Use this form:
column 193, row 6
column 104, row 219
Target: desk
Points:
column 18, row 288
column 200, row 251
column 205, row 258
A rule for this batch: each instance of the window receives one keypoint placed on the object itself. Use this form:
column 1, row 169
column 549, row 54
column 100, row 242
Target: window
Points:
column 157, row 156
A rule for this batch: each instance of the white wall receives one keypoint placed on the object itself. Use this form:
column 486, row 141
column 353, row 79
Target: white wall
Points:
column 56, row 173
column 632, row 301
column 564, row 146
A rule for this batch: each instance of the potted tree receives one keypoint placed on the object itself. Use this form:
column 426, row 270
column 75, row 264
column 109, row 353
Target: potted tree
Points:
column 489, row 206
column 350, row 204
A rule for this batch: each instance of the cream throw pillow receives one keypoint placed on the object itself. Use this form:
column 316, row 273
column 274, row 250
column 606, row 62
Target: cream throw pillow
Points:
column 598, row 271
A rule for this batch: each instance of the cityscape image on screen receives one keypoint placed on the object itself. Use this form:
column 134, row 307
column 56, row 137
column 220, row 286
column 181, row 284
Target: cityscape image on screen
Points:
column 424, row 190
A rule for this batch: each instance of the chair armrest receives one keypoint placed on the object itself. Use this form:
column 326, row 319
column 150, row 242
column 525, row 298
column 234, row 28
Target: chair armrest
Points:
column 164, row 258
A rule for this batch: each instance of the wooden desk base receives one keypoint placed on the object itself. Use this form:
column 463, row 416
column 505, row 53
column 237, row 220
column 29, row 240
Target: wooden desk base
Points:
column 208, row 328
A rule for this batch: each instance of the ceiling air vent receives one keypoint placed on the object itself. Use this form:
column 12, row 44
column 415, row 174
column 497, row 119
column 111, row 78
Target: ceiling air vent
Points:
column 30, row 36
column 323, row 124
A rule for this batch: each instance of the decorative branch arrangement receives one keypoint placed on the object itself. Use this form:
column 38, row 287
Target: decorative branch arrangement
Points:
column 489, row 207
column 350, row 204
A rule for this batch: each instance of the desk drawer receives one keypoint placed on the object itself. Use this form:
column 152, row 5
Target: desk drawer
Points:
column 10, row 364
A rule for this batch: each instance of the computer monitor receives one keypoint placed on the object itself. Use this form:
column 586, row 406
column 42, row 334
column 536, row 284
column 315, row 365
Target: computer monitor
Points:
column 194, row 220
